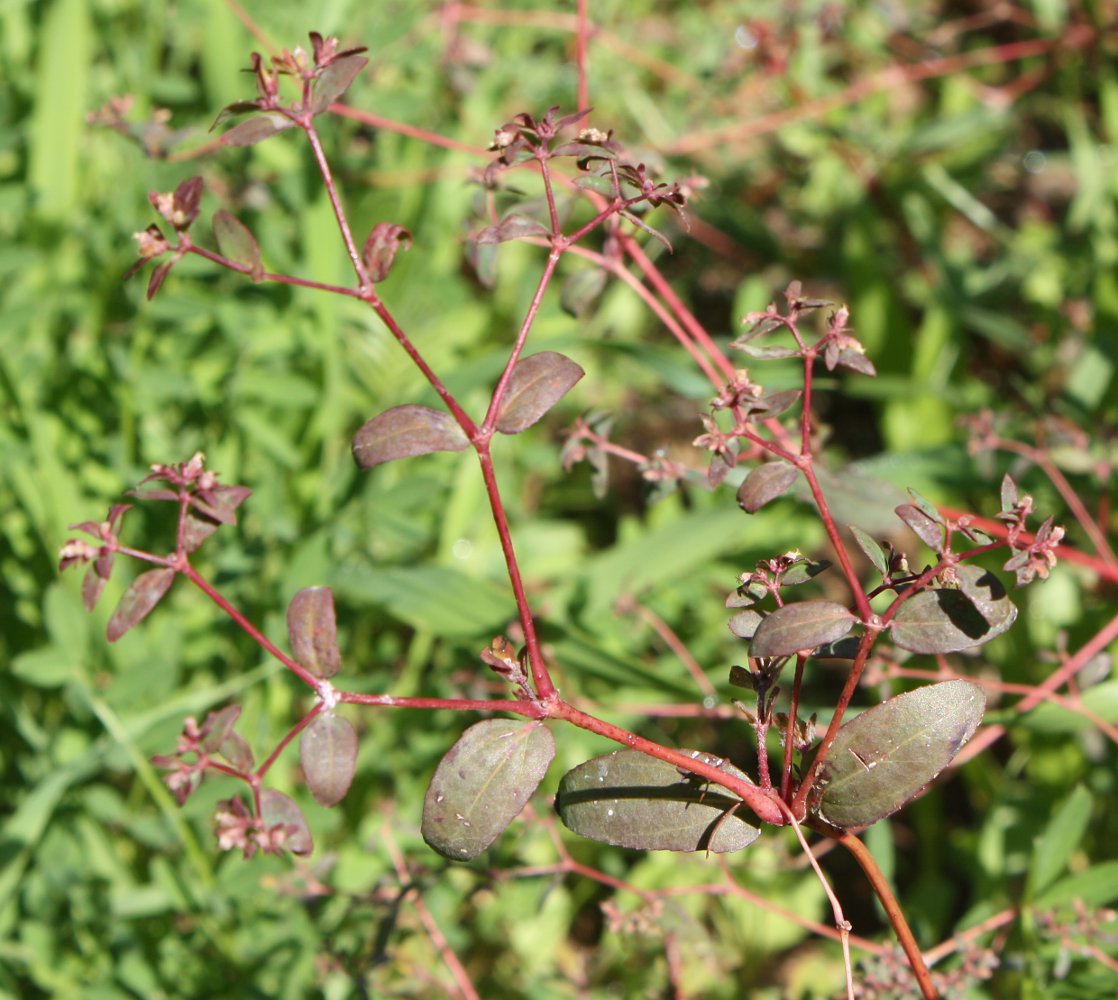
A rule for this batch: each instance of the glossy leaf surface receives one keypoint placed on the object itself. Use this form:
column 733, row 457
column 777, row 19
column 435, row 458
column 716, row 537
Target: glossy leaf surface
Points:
column 804, row 625
column 483, row 783
column 886, row 755
column 764, row 483
column 629, row 799
column 943, row 620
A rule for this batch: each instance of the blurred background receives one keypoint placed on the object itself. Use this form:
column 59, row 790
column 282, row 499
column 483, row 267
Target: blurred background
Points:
column 947, row 169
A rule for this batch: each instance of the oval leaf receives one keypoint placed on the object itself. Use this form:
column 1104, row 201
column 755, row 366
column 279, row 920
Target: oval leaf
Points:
column 328, row 753
column 313, row 630
column 256, row 129
column 276, row 809
column 482, row 783
column 800, row 626
column 945, row 621
column 333, row 81
column 538, row 382
column 405, row 431
column 927, row 530
column 764, row 483
column 235, row 241
column 383, row 243
column 145, row 592
column 629, row 799
column 887, row 755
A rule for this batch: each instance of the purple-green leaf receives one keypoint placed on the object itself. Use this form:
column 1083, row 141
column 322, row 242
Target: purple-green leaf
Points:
column 800, row 626
column 333, row 81
column 278, row 809
column 313, row 630
column 144, row 593
column 629, row 799
column 874, row 552
column 944, row 620
column 384, row 242
column 581, row 290
column 483, row 783
column 888, row 754
column 926, row 529
column 511, row 227
column 744, row 623
column 256, row 129
column 764, row 483
column 236, row 750
column 538, row 382
column 218, row 726
column 406, row 431
column 235, row 241
column 328, row 753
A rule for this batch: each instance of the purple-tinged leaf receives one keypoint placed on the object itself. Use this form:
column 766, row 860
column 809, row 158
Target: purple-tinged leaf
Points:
column 233, row 110
column 855, row 361
column 236, row 750
column 927, row 530
column 511, row 227
column 235, row 241
column 629, row 799
column 187, row 197
column 218, row 726
column 768, row 353
column 888, row 754
column 803, row 570
column 483, row 259
column 874, row 552
column 333, row 81
column 581, row 291
column 778, row 402
column 944, row 620
column 158, row 276
column 328, row 753
column 538, row 382
column 92, row 586
column 256, row 129
column 641, row 224
column 740, row 677
column 384, row 242
column 744, row 623
column 926, row 506
column 764, row 483
column 196, row 531
column 483, row 783
column 145, row 593
column 405, row 431
column 799, row 626
column 220, row 502
column 276, row 809
column 313, row 630
column 1009, row 494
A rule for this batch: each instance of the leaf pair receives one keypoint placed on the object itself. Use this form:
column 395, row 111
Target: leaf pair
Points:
column 537, row 383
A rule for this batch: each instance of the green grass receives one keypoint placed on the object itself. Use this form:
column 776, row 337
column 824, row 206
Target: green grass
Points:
column 975, row 241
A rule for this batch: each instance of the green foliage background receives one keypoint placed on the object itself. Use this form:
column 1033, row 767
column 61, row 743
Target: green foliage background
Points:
column 975, row 238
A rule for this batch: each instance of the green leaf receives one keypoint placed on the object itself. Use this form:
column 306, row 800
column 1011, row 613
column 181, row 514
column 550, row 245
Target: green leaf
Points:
column 764, row 483
column 235, row 241
column 537, row 383
column 884, row 757
column 874, row 552
column 483, row 783
column 406, row 431
column 800, row 626
column 945, row 621
column 629, row 799
column 256, row 129
column 1055, row 846
column 1094, row 886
